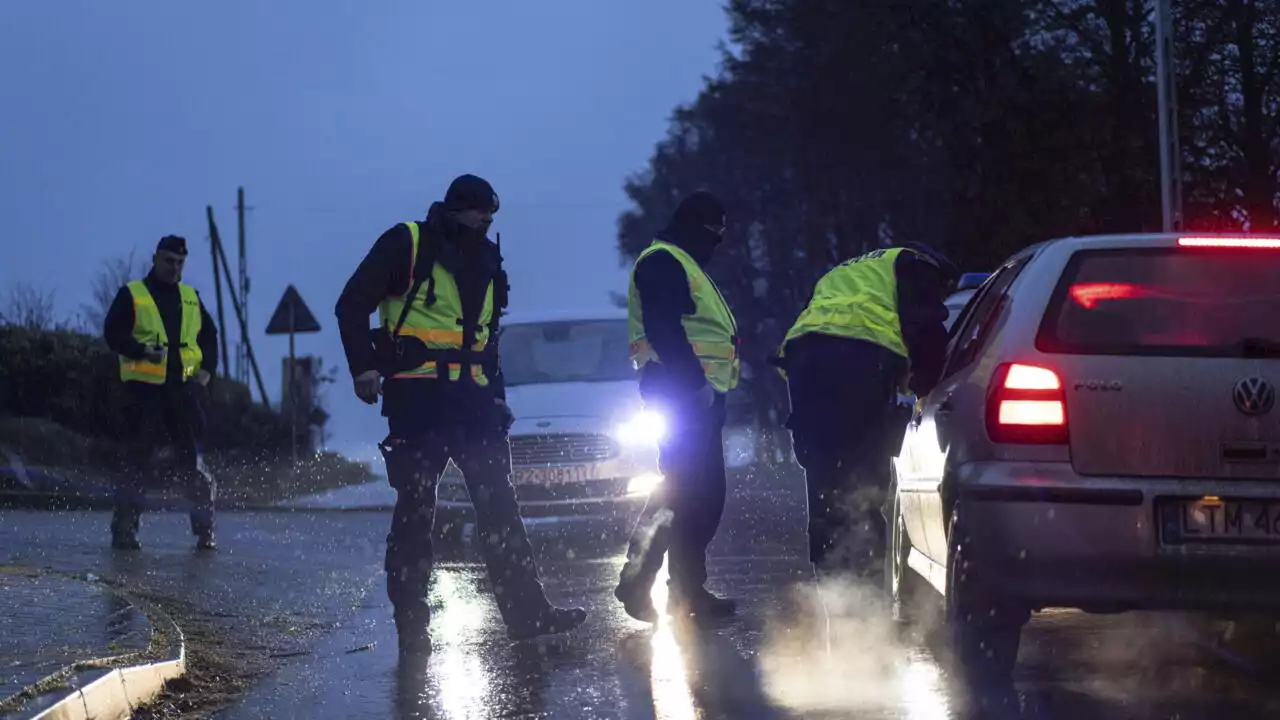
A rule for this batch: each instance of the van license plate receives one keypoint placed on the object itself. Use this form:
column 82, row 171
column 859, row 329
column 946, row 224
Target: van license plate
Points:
column 1249, row 521
column 552, row 475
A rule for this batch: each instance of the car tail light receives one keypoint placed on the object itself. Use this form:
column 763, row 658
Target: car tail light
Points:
column 1230, row 242
column 1027, row 405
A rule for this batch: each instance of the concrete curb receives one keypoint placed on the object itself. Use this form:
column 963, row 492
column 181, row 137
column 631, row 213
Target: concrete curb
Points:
column 117, row 694
column 127, row 685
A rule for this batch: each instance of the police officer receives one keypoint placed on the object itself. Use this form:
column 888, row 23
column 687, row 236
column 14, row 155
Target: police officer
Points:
column 168, row 348
column 874, row 327
column 684, row 341
column 439, row 289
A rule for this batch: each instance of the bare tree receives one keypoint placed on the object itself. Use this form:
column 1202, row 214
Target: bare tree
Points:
column 114, row 275
column 29, row 307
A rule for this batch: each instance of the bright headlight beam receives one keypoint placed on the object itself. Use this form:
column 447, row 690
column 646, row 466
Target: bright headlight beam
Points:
column 645, row 427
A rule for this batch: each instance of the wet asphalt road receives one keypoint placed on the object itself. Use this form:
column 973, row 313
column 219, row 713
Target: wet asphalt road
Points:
column 309, row 587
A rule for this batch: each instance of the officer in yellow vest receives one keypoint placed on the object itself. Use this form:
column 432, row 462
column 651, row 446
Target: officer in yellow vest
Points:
column 439, row 289
column 873, row 328
column 684, row 341
column 168, row 348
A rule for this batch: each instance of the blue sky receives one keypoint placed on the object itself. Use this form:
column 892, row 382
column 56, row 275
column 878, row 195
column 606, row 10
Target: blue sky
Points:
column 121, row 121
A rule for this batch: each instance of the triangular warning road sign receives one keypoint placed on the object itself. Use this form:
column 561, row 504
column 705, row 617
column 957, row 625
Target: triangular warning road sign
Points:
column 303, row 320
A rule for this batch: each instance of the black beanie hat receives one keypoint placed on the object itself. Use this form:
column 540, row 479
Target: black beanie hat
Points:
column 468, row 192
column 698, row 209
column 172, row 243
column 948, row 269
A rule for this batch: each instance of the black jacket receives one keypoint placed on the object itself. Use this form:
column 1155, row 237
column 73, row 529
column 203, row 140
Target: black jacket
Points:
column 922, row 315
column 385, row 272
column 663, row 287
column 118, row 328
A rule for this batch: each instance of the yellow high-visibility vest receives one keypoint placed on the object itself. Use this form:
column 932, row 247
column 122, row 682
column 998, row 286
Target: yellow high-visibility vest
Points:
column 712, row 329
column 857, row 299
column 148, row 329
column 435, row 318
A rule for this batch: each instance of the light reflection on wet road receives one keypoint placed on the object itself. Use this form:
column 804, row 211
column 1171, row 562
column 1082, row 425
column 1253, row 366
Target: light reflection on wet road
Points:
column 324, row 571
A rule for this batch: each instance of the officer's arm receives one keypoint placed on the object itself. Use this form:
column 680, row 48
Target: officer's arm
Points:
column 922, row 314
column 207, row 340
column 117, row 329
column 663, row 287
column 384, row 271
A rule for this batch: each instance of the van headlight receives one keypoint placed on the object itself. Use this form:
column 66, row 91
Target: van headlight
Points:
column 644, row 428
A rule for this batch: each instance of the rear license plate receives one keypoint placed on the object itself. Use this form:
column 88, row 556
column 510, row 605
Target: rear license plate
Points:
column 1227, row 521
column 553, row 475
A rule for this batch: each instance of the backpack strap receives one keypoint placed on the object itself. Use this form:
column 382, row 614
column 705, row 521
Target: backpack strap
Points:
column 422, row 271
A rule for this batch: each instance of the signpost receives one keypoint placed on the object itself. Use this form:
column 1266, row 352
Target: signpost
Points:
column 292, row 316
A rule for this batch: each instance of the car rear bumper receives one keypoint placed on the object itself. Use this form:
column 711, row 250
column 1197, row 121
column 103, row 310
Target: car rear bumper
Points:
column 1049, row 537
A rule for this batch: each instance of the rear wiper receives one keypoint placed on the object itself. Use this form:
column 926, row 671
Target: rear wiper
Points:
column 1256, row 347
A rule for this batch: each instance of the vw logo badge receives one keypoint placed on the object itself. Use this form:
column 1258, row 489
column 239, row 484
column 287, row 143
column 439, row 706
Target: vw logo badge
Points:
column 1255, row 396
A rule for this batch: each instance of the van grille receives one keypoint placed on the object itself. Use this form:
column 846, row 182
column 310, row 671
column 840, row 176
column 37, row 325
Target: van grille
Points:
column 565, row 449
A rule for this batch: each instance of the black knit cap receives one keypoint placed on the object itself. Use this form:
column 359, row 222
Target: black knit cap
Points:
column 173, row 243
column 468, row 192
column 698, row 209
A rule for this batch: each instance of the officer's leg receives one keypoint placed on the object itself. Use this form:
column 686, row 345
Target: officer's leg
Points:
column 485, row 461
column 130, row 489
column 186, row 431
column 650, row 539
column 697, row 518
column 414, row 462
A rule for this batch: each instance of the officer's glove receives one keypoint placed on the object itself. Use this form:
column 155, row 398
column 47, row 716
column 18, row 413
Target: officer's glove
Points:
column 368, row 386
column 507, row 417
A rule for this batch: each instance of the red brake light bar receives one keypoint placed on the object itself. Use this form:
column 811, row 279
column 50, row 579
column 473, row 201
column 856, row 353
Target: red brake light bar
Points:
column 1229, row 242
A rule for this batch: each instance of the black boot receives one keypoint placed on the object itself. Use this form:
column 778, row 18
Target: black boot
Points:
column 125, row 541
column 124, row 529
column 413, row 629
column 700, row 603
column 206, row 541
column 636, row 601
column 551, row 621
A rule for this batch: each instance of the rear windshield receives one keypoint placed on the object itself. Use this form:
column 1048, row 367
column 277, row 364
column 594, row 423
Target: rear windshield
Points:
column 1169, row 302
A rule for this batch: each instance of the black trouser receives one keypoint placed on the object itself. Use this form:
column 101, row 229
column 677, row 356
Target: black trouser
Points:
column 843, row 421
column 160, row 418
column 416, row 455
column 684, row 512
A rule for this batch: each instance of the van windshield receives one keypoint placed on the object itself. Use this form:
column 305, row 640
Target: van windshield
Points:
column 565, row 351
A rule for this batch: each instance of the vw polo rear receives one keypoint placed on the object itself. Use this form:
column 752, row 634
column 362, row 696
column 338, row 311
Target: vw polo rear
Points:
column 1128, row 452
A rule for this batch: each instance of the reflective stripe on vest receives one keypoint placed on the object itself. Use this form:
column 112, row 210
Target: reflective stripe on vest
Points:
column 711, row 329
column 148, row 329
column 438, row 324
column 857, row 299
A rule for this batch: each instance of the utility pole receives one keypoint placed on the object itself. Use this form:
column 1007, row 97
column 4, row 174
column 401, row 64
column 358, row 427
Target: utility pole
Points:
column 225, row 365
column 1167, row 110
column 242, row 366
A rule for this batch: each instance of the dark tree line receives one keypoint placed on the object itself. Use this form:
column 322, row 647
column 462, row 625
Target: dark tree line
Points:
column 980, row 127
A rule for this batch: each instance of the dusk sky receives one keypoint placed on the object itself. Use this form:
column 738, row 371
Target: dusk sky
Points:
column 121, row 121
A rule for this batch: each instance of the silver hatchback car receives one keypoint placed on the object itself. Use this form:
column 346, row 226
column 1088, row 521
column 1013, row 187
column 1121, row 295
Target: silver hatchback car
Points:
column 1105, row 437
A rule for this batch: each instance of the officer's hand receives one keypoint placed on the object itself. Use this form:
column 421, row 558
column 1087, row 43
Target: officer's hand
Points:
column 508, row 417
column 153, row 353
column 368, row 386
column 201, row 377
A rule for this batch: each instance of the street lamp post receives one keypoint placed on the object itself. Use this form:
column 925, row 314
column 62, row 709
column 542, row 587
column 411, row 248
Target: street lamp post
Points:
column 1167, row 111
